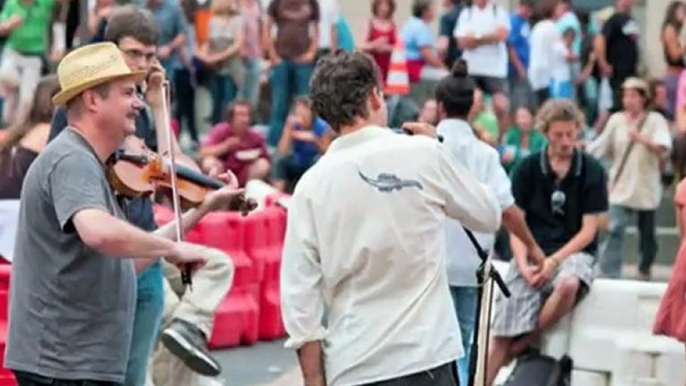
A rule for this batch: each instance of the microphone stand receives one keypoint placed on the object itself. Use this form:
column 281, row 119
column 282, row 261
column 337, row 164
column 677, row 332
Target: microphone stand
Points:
column 481, row 279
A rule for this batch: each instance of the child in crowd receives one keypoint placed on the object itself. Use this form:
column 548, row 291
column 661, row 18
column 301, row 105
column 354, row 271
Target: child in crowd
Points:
column 562, row 85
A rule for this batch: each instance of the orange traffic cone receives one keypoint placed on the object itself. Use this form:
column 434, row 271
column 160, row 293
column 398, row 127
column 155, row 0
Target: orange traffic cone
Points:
column 398, row 79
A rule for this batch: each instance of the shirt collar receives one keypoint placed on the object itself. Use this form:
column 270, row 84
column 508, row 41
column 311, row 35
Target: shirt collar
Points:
column 577, row 161
column 358, row 137
column 455, row 129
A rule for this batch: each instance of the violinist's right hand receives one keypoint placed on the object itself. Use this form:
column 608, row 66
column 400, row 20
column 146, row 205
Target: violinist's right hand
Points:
column 188, row 253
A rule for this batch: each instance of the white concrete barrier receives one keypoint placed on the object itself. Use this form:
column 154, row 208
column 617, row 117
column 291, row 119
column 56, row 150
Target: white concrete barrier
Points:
column 609, row 337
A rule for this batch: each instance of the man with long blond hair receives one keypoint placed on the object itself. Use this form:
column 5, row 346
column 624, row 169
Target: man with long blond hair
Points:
column 563, row 193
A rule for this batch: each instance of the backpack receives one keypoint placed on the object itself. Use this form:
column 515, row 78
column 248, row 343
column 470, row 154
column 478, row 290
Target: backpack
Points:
column 535, row 369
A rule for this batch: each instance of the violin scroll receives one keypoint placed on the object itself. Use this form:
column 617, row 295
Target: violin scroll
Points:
column 243, row 204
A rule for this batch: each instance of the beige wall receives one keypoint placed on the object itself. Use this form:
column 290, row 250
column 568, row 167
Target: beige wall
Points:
column 649, row 13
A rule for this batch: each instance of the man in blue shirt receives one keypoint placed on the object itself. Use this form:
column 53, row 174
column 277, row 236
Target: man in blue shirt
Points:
column 518, row 49
column 305, row 137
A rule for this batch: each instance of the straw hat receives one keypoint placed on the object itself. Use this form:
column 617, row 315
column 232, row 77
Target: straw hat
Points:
column 90, row 66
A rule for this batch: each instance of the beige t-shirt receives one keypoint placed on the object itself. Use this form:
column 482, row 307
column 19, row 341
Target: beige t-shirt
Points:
column 639, row 186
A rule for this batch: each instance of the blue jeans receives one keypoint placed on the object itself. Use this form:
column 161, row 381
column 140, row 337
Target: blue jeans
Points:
column 464, row 299
column 250, row 91
column 611, row 252
column 146, row 325
column 288, row 79
column 223, row 91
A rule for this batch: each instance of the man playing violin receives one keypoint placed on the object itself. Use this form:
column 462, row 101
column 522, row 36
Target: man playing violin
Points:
column 72, row 296
column 135, row 32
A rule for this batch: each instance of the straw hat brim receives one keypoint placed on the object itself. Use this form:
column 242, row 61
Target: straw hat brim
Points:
column 64, row 96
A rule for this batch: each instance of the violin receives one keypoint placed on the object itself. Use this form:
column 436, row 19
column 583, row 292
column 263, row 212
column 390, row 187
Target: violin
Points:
column 136, row 171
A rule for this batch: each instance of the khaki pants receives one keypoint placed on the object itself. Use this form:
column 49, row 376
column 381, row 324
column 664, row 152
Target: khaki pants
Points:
column 210, row 286
column 19, row 77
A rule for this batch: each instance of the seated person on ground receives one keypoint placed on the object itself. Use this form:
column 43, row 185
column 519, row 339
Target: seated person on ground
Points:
column 305, row 138
column 483, row 119
column 429, row 112
column 233, row 145
column 521, row 140
column 563, row 193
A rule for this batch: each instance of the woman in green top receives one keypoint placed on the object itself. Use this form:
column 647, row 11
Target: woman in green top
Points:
column 521, row 140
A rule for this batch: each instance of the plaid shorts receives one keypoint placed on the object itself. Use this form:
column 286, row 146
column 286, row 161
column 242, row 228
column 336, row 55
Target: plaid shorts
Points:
column 518, row 314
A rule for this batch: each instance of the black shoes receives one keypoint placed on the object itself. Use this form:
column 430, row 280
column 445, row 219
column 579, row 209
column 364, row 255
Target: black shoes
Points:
column 189, row 344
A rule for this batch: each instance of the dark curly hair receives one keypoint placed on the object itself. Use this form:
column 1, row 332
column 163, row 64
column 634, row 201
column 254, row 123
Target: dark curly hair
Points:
column 340, row 86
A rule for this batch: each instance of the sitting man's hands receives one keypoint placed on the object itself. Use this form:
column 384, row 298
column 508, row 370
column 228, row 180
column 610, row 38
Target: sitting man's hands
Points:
column 546, row 273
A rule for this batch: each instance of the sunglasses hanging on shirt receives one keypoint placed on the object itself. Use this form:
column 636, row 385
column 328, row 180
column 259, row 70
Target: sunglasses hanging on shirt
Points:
column 557, row 201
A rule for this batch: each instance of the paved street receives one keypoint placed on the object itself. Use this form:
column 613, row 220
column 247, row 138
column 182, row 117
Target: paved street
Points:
column 263, row 364
column 269, row 364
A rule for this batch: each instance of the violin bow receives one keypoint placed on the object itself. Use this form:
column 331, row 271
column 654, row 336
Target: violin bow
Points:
column 176, row 202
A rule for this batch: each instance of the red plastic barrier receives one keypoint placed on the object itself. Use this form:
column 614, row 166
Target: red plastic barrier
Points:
column 256, row 241
column 264, row 244
column 237, row 318
column 6, row 376
column 164, row 215
column 275, row 226
column 272, row 199
column 271, row 325
column 5, row 272
column 226, row 231
column 252, row 309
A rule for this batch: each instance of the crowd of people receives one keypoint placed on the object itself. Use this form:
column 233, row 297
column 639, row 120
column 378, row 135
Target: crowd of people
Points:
column 541, row 133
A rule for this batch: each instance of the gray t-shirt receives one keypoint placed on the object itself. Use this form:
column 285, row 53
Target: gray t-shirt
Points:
column 222, row 34
column 71, row 308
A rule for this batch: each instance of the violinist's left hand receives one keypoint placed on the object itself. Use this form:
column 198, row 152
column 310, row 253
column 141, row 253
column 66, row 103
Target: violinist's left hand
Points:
column 154, row 93
column 221, row 198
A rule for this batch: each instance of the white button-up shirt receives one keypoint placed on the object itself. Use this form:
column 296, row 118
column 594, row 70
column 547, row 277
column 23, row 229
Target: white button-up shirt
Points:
column 366, row 238
column 483, row 162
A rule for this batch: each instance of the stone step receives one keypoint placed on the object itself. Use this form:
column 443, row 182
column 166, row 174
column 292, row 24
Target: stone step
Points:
column 668, row 246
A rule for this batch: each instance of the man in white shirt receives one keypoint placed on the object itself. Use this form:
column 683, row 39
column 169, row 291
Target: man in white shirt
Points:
column 481, row 32
column 455, row 97
column 365, row 240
